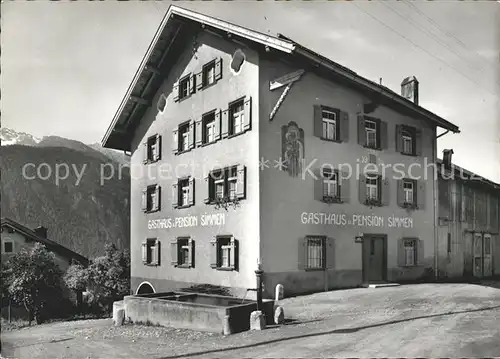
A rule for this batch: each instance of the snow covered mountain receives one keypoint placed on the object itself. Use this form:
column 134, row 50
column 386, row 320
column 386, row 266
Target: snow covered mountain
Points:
column 11, row 137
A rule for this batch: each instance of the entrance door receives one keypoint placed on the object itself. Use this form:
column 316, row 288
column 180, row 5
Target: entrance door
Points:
column 482, row 255
column 374, row 258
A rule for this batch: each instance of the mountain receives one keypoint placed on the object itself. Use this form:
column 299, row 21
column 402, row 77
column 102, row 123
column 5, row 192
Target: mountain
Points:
column 11, row 137
column 81, row 214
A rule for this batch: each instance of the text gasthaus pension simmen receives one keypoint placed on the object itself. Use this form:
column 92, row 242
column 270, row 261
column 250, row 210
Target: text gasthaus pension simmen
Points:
column 215, row 219
column 355, row 220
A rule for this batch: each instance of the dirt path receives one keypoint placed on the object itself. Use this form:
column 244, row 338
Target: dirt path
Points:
column 447, row 320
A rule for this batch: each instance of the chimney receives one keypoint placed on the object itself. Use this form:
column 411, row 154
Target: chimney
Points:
column 41, row 231
column 409, row 89
column 447, row 154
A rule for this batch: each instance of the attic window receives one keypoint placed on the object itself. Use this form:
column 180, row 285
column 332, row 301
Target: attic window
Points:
column 237, row 60
column 162, row 103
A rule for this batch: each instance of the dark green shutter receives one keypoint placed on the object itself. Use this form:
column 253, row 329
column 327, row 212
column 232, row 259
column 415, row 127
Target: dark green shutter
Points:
column 361, row 130
column 317, row 121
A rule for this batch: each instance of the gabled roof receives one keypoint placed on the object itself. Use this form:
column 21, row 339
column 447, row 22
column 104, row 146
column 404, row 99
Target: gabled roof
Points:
column 466, row 175
column 176, row 30
column 51, row 245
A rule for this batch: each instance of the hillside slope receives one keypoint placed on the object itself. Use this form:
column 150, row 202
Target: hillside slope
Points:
column 81, row 216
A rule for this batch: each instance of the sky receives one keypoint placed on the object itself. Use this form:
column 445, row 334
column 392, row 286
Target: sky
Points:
column 66, row 66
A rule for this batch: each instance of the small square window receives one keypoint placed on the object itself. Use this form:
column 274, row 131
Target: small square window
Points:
column 8, row 247
column 150, row 252
column 331, row 187
column 371, row 134
column 153, row 149
column 408, row 140
column 410, row 252
column 151, row 199
column 409, row 192
column 209, row 74
column 184, row 252
column 226, row 253
column 184, row 137
column 372, row 188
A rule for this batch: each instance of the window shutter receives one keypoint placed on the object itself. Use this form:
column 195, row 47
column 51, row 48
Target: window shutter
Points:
column 418, row 142
column 191, row 84
column 191, row 135
column 301, row 264
column 386, row 191
column 317, row 121
column 199, row 80
column 144, row 252
column 218, row 69
column 399, row 138
column 344, row 126
column 247, row 120
column 420, row 252
column 158, row 148
column 191, row 191
column 217, row 125
column 225, row 124
column 144, row 200
column 173, row 252
column 383, row 135
column 213, row 253
column 210, row 188
column 345, row 187
column 330, row 253
column 153, row 255
column 420, row 194
column 318, row 185
column 362, row 189
column 175, row 140
column 401, row 253
column 190, row 253
column 158, row 198
column 361, row 130
column 175, row 195
column 175, row 90
column 240, row 181
column 145, row 153
column 233, row 255
column 401, row 193
column 158, row 252
column 199, row 132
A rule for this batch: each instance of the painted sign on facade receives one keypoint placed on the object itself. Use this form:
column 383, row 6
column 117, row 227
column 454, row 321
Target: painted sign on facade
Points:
column 205, row 220
column 355, row 220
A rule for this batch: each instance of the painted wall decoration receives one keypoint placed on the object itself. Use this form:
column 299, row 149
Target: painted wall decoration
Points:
column 292, row 148
column 355, row 220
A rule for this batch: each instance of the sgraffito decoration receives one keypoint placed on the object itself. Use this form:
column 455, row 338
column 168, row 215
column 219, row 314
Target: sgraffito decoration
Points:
column 292, row 151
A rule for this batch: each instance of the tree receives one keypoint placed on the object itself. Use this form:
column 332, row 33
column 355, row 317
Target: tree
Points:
column 35, row 280
column 108, row 277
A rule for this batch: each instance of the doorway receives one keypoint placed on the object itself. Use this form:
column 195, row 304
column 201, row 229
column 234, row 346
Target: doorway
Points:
column 481, row 255
column 374, row 258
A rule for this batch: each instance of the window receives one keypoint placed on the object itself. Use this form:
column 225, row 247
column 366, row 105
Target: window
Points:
column 209, row 127
column 152, row 149
column 236, row 117
column 184, row 87
column 315, row 252
column 184, row 137
column 408, row 188
column 330, row 184
column 8, row 247
column 151, row 199
column 228, row 183
column 372, row 188
column 371, row 133
column 330, row 126
column 151, row 252
column 209, row 74
column 183, row 193
column 407, row 139
column 182, row 252
column 410, row 252
column 224, row 255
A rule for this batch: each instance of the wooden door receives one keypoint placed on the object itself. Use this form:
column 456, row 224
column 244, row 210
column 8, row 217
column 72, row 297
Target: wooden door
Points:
column 374, row 259
column 477, row 254
column 487, row 255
